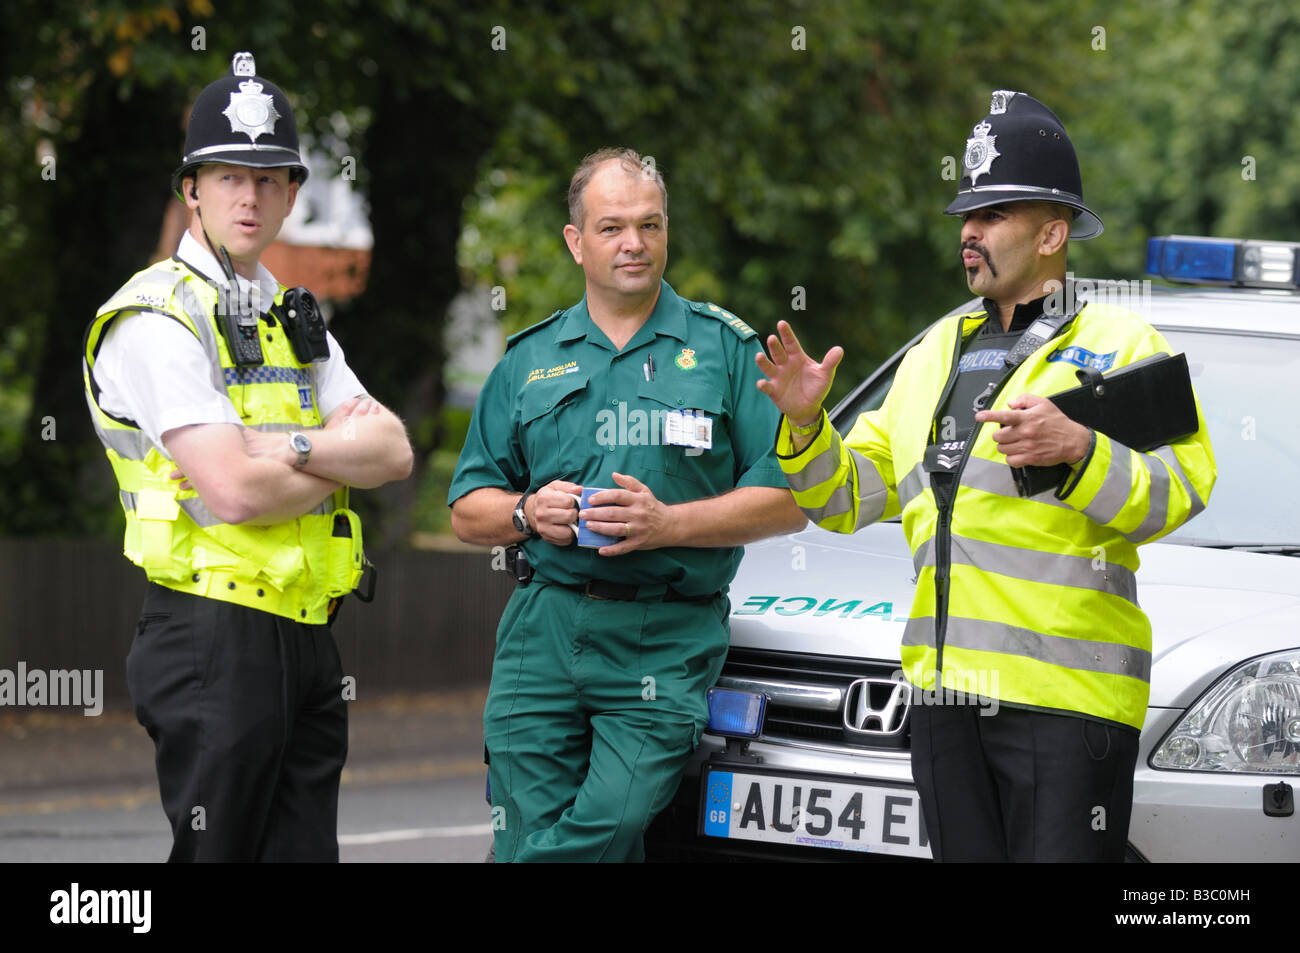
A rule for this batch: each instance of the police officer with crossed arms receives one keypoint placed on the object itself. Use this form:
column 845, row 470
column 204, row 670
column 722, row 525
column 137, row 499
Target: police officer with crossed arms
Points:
column 235, row 427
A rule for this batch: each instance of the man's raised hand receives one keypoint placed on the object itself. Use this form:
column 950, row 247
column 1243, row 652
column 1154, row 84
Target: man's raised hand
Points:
column 796, row 383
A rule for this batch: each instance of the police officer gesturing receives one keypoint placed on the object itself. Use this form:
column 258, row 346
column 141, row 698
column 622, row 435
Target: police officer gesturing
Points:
column 234, row 427
column 1029, row 602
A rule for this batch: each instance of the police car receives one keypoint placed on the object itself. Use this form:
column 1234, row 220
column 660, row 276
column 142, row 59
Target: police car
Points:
column 807, row 752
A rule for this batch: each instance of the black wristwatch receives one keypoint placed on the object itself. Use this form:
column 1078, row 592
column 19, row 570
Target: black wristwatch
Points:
column 520, row 518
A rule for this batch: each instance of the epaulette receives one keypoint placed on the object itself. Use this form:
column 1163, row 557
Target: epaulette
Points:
column 147, row 290
column 510, row 341
column 709, row 309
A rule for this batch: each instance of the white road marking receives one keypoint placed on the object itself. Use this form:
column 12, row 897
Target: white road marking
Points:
column 416, row 833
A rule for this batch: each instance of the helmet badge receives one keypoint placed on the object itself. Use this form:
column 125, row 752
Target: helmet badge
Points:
column 980, row 151
column 251, row 111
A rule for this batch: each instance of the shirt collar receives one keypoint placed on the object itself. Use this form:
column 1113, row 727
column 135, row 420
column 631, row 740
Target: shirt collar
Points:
column 201, row 259
column 1021, row 318
column 668, row 317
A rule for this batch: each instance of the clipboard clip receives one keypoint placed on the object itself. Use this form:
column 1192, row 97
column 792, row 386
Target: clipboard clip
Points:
column 1091, row 377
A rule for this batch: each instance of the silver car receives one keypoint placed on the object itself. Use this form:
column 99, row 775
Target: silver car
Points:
column 817, row 618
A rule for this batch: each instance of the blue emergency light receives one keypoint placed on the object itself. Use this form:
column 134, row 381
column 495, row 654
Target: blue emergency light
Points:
column 1226, row 261
column 736, row 714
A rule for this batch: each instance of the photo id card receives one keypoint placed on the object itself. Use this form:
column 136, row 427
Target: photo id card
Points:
column 687, row 428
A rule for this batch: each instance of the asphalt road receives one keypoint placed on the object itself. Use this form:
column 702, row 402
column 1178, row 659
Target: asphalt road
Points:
column 82, row 790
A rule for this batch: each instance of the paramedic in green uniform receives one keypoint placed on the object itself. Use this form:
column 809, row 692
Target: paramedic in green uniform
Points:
column 604, row 657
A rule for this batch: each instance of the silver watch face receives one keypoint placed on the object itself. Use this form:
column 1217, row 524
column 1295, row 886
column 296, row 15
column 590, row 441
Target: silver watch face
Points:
column 300, row 443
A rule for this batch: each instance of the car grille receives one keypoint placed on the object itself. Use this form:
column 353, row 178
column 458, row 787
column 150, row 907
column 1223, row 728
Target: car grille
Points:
column 807, row 695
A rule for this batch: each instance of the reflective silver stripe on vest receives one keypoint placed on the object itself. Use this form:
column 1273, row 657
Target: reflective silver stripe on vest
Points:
column 924, row 556
column 1112, row 496
column 818, row 470
column 1084, row 655
column 201, row 317
column 872, row 496
column 911, row 486
column 872, row 492
column 127, row 444
column 1056, row 569
column 1167, row 454
column 994, row 476
column 194, row 508
column 1157, row 498
column 198, row 511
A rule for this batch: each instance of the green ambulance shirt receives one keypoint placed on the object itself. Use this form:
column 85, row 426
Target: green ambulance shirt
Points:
column 563, row 404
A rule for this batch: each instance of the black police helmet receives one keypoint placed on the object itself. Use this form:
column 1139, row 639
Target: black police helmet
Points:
column 1019, row 152
column 241, row 119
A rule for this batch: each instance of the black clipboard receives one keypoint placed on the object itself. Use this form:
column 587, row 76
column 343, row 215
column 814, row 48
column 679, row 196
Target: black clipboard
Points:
column 1143, row 405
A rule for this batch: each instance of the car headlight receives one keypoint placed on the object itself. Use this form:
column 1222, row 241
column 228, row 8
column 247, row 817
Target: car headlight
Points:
column 1249, row 721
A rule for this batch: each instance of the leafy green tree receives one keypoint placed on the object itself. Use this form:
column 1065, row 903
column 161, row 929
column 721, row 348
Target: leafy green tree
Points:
column 809, row 149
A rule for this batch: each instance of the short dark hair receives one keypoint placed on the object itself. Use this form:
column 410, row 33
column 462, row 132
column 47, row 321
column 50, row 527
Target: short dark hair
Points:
column 632, row 161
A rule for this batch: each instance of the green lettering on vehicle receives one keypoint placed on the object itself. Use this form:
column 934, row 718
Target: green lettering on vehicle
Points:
column 844, row 608
column 756, row 605
column 883, row 609
column 782, row 610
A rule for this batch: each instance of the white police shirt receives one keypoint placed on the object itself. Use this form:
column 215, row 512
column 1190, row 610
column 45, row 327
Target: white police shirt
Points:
column 154, row 371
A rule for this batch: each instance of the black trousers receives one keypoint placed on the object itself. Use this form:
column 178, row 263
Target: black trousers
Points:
column 247, row 716
column 1022, row 785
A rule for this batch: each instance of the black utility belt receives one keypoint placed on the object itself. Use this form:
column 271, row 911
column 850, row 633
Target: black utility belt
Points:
column 517, row 563
column 600, row 589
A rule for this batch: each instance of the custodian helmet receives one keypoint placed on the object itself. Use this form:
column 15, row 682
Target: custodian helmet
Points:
column 241, row 119
column 1019, row 152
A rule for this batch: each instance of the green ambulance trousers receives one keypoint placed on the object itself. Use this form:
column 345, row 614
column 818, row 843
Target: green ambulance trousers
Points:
column 594, row 708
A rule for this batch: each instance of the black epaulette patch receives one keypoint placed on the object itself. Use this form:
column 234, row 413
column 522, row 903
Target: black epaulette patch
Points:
column 510, row 341
column 709, row 309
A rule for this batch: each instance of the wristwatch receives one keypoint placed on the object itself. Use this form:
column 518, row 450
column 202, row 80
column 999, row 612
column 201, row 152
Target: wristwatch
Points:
column 520, row 518
column 301, row 445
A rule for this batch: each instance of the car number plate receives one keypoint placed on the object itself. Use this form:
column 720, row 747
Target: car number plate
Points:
column 812, row 812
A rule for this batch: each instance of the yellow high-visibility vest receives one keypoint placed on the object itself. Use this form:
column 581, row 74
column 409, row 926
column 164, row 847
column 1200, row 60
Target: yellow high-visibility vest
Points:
column 1041, row 607
column 291, row 569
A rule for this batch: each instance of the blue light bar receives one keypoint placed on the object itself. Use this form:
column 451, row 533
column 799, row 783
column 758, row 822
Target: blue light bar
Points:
column 736, row 714
column 1250, row 263
column 1192, row 259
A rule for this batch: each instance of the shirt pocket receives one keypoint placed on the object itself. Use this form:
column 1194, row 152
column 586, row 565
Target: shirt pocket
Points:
column 709, row 470
column 557, row 432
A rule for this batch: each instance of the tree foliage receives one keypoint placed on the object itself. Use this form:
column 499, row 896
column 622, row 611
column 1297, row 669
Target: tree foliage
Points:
column 809, row 149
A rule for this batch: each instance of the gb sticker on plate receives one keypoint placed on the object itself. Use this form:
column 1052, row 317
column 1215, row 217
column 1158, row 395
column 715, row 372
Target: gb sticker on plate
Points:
column 688, row 428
